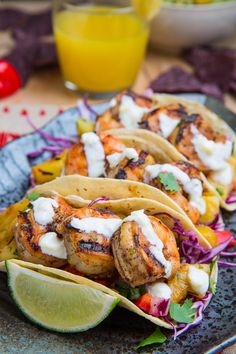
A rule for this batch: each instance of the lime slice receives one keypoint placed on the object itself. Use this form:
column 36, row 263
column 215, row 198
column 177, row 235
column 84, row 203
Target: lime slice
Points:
column 55, row 304
column 147, row 8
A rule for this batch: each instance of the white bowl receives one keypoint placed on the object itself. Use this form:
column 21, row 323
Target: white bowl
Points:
column 181, row 26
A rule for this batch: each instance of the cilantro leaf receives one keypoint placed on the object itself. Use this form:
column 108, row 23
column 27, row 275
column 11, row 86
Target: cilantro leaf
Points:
column 220, row 191
column 182, row 313
column 33, row 196
column 169, row 182
column 155, row 337
column 133, row 294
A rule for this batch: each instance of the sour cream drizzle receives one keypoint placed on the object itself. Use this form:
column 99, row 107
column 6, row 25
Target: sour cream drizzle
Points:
column 167, row 124
column 106, row 227
column 94, row 153
column 198, row 280
column 116, row 158
column 192, row 186
column 224, row 176
column 43, row 209
column 52, row 245
column 130, row 113
column 156, row 245
column 213, row 155
column 159, row 289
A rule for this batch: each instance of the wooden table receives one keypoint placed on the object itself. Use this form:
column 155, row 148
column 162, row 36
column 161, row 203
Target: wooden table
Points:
column 46, row 86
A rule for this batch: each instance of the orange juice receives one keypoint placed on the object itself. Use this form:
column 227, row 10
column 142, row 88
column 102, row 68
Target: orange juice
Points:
column 100, row 48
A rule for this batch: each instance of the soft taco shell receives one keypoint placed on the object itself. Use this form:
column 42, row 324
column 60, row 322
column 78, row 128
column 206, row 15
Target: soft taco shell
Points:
column 120, row 206
column 169, row 149
column 195, row 107
column 217, row 122
column 126, row 194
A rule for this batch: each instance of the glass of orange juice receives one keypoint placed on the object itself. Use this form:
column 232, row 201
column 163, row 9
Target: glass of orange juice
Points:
column 101, row 44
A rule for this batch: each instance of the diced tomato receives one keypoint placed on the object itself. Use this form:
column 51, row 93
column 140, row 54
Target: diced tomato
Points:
column 144, row 302
column 224, row 235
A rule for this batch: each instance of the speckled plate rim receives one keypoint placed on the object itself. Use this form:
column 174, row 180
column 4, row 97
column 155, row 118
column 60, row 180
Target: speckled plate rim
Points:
column 220, row 108
column 228, row 342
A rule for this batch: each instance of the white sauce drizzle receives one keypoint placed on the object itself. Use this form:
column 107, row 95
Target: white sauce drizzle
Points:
column 213, row 155
column 94, row 153
column 192, row 186
column 198, row 280
column 116, row 158
column 159, row 289
column 167, row 124
column 43, row 209
column 156, row 245
column 52, row 245
column 106, row 227
column 224, row 176
column 130, row 113
column 112, row 102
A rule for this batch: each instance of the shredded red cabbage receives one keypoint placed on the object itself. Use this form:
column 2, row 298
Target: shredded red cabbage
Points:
column 86, row 111
column 65, row 142
column 159, row 307
column 2, row 210
column 148, row 92
column 100, row 199
column 55, row 150
column 136, row 95
column 192, row 251
column 226, row 264
column 199, row 305
column 217, row 224
column 228, row 254
column 32, row 181
column 231, row 198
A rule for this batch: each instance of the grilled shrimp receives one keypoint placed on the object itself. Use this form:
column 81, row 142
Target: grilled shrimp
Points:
column 130, row 169
column 76, row 162
column 181, row 198
column 153, row 119
column 88, row 247
column 134, row 257
column 110, row 119
column 34, row 226
column 183, row 135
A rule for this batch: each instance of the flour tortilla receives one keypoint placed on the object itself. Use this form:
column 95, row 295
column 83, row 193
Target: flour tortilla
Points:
column 79, row 191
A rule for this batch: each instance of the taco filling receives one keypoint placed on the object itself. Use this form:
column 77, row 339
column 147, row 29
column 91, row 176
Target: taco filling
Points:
column 193, row 135
column 134, row 253
column 129, row 159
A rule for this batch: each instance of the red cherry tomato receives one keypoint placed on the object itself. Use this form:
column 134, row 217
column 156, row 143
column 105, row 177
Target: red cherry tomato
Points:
column 9, row 79
column 225, row 235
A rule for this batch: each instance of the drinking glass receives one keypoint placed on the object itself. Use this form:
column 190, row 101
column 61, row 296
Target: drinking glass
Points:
column 100, row 44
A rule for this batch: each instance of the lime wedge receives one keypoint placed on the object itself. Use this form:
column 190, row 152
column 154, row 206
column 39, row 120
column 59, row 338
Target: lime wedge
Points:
column 147, row 8
column 55, row 304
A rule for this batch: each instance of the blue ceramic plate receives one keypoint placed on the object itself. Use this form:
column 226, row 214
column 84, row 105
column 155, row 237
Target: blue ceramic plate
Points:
column 122, row 330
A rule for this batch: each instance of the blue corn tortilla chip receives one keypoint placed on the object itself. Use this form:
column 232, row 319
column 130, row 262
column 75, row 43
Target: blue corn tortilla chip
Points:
column 177, row 80
column 213, row 65
column 38, row 24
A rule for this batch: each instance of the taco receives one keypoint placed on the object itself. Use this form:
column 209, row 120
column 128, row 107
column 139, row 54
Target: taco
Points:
column 147, row 254
column 140, row 156
column 196, row 133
